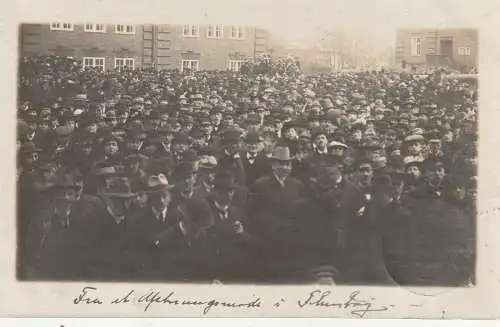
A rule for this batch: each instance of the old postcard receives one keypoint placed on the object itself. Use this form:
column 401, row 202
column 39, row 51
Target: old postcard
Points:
column 256, row 159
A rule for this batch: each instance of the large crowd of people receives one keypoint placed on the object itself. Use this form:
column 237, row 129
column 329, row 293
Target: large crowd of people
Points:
column 219, row 176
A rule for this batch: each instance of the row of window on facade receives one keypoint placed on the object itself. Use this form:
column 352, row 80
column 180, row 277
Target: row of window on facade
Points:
column 416, row 48
column 214, row 31
column 189, row 30
column 120, row 63
column 95, row 28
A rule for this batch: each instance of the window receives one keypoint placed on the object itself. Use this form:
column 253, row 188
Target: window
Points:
column 96, row 28
column 215, row 31
column 235, row 65
column 124, row 63
column 93, row 62
column 464, row 51
column 58, row 26
column 125, row 29
column 190, row 30
column 238, row 32
column 416, row 46
column 192, row 65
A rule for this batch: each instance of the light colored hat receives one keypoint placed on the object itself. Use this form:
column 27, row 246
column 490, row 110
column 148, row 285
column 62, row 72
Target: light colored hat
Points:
column 207, row 162
column 338, row 144
column 158, row 183
column 281, row 153
column 415, row 138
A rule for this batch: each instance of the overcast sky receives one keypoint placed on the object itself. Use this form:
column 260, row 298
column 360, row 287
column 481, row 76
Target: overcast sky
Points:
column 299, row 22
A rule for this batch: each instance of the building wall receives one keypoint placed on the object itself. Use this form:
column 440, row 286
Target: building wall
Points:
column 162, row 46
column 431, row 45
column 39, row 39
column 213, row 54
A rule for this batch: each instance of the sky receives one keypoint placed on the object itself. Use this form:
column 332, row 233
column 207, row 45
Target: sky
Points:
column 298, row 22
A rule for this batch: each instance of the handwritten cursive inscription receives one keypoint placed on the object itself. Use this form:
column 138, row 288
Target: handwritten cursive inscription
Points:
column 85, row 298
column 157, row 297
column 358, row 307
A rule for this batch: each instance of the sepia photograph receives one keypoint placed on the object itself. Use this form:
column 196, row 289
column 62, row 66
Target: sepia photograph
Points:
column 236, row 154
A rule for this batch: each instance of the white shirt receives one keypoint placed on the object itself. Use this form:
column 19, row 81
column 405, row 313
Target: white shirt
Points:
column 160, row 215
column 251, row 158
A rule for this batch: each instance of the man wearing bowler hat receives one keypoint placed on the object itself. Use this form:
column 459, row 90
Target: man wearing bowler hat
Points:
column 273, row 201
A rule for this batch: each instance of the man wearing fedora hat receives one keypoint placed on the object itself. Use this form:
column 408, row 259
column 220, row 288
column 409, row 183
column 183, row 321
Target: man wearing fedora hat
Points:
column 107, row 234
column 229, row 240
column 149, row 222
column 273, row 200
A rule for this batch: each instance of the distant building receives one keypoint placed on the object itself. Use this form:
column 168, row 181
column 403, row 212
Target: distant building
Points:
column 191, row 46
column 455, row 48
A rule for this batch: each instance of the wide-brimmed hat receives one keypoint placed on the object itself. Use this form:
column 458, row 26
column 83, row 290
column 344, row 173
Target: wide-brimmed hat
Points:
column 207, row 162
column 281, row 153
column 158, row 183
column 107, row 171
column 334, row 144
column 119, row 187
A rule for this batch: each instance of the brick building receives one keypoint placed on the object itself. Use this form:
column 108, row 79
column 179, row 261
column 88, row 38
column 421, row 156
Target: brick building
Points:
column 210, row 47
column 455, row 48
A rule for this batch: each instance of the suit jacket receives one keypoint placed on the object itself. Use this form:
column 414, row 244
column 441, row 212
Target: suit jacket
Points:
column 145, row 228
column 236, row 165
column 259, row 168
column 54, row 241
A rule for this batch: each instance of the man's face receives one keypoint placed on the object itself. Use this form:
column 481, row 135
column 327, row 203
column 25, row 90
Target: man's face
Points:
column 206, row 129
column 435, row 175
column 329, row 175
column 86, row 148
column 321, row 141
column 435, row 147
column 413, row 171
column 188, row 182
column 199, row 141
column 91, row 128
column 180, row 147
column 459, row 192
column 43, row 127
column 415, row 148
column 337, row 150
column 282, row 168
column 32, row 127
column 365, row 174
column 357, row 135
column 233, row 147
column 132, row 166
column 254, row 147
column 121, row 205
column 111, row 148
column 113, row 122
column 32, row 157
column 216, row 119
column 48, row 174
column 291, row 134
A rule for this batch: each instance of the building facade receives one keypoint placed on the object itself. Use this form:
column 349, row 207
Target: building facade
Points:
column 456, row 48
column 165, row 46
